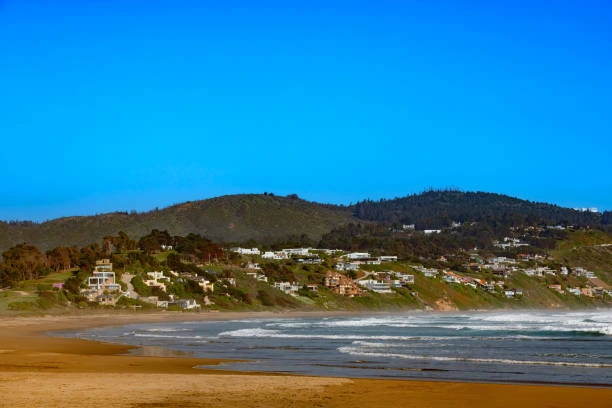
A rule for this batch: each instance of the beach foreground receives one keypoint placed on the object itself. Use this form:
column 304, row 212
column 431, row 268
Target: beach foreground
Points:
column 38, row 370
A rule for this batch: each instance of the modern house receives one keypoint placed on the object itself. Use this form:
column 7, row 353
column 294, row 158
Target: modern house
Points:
column 103, row 277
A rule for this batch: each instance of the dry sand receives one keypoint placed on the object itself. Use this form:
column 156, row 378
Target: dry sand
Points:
column 37, row 370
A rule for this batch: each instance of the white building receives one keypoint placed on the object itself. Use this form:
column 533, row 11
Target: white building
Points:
column 246, row 251
column 375, row 285
column 257, row 276
column 103, row 278
column 297, row 251
column 279, row 255
column 387, row 258
column 289, row 288
column 358, row 255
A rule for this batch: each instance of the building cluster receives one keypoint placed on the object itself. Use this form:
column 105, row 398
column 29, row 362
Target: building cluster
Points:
column 103, row 288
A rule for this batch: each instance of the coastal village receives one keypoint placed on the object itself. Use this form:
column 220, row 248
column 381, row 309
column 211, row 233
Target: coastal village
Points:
column 338, row 273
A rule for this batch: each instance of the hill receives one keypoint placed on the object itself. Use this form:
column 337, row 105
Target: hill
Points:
column 268, row 218
column 232, row 218
column 438, row 209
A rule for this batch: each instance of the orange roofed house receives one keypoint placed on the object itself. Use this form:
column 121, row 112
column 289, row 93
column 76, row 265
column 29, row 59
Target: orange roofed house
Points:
column 341, row 284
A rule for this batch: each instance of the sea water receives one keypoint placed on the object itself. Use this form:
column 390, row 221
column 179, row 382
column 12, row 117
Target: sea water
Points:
column 530, row 347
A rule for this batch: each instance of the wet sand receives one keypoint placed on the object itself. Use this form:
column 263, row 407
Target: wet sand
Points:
column 38, row 370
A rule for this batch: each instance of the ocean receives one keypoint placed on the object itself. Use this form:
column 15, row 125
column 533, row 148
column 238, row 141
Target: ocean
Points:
column 508, row 347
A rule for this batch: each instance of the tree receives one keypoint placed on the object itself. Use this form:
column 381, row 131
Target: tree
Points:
column 153, row 242
column 63, row 258
column 26, row 261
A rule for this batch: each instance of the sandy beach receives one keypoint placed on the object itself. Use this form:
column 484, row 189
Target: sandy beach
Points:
column 39, row 370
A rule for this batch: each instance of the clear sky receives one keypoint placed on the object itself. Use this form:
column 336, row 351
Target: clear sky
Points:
column 112, row 105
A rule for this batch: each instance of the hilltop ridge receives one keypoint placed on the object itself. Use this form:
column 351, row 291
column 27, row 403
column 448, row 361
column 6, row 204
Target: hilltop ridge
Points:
column 267, row 217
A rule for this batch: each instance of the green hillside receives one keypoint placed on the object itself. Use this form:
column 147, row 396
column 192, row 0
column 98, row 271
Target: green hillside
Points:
column 223, row 219
column 589, row 249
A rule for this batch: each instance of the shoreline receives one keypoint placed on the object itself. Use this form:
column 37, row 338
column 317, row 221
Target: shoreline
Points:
column 40, row 370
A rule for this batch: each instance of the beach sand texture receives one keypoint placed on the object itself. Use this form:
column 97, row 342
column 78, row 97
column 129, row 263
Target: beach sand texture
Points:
column 37, row 370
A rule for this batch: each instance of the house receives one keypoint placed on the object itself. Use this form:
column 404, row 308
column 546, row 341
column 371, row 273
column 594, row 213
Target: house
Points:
column 186, row 304
column 404, row 278
column 156, row 275
column 583, row 272
column 297, row 251
column 206, row 285
column 347, row 266
column 105, row 299
column 451, row 277
column 246, row 251
column 103, row 278
column 289, row 288
column 574, row 291
column 375, row 285
column 253, row 265
column 154, row 280
column 357, row 255
column 257, row 276
column 341, row 284
column 431, row 231
column 279, row 255
column 509, row 293
column 556, row 288
column 310, row 260
column 387, row 258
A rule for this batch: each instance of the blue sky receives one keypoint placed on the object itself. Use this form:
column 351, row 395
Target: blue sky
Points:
column 121, row 105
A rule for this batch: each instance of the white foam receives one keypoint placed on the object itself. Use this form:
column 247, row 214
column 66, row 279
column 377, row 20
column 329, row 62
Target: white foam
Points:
column 259, row 332
column 355, row 351
column 166, row 336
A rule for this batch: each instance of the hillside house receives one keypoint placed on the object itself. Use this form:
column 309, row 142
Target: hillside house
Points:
column 277, row 256
column 341, row 284
column 357, row 255
column 205, row 284
column 297, row 251
column 556, row 288
column 347, row 266
column 246, row 251
column 103, row 277
column 404, row 278
column 375, row 285
column 257, row 276
column 185, row 304
column 288, row 288
column 387, row 258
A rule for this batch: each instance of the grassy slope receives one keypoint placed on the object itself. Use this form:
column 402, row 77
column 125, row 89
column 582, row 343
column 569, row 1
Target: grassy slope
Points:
column 27, row 291
column 589, row 249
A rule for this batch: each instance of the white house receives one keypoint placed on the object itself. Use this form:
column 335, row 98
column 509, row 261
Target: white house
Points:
column 297, row 251
column 387, row 258
column 289, row 288
column 375, row 286
column 358, row 255
column 103, row 278
column 246, row 251
column 187, row 304
column 258, row 276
